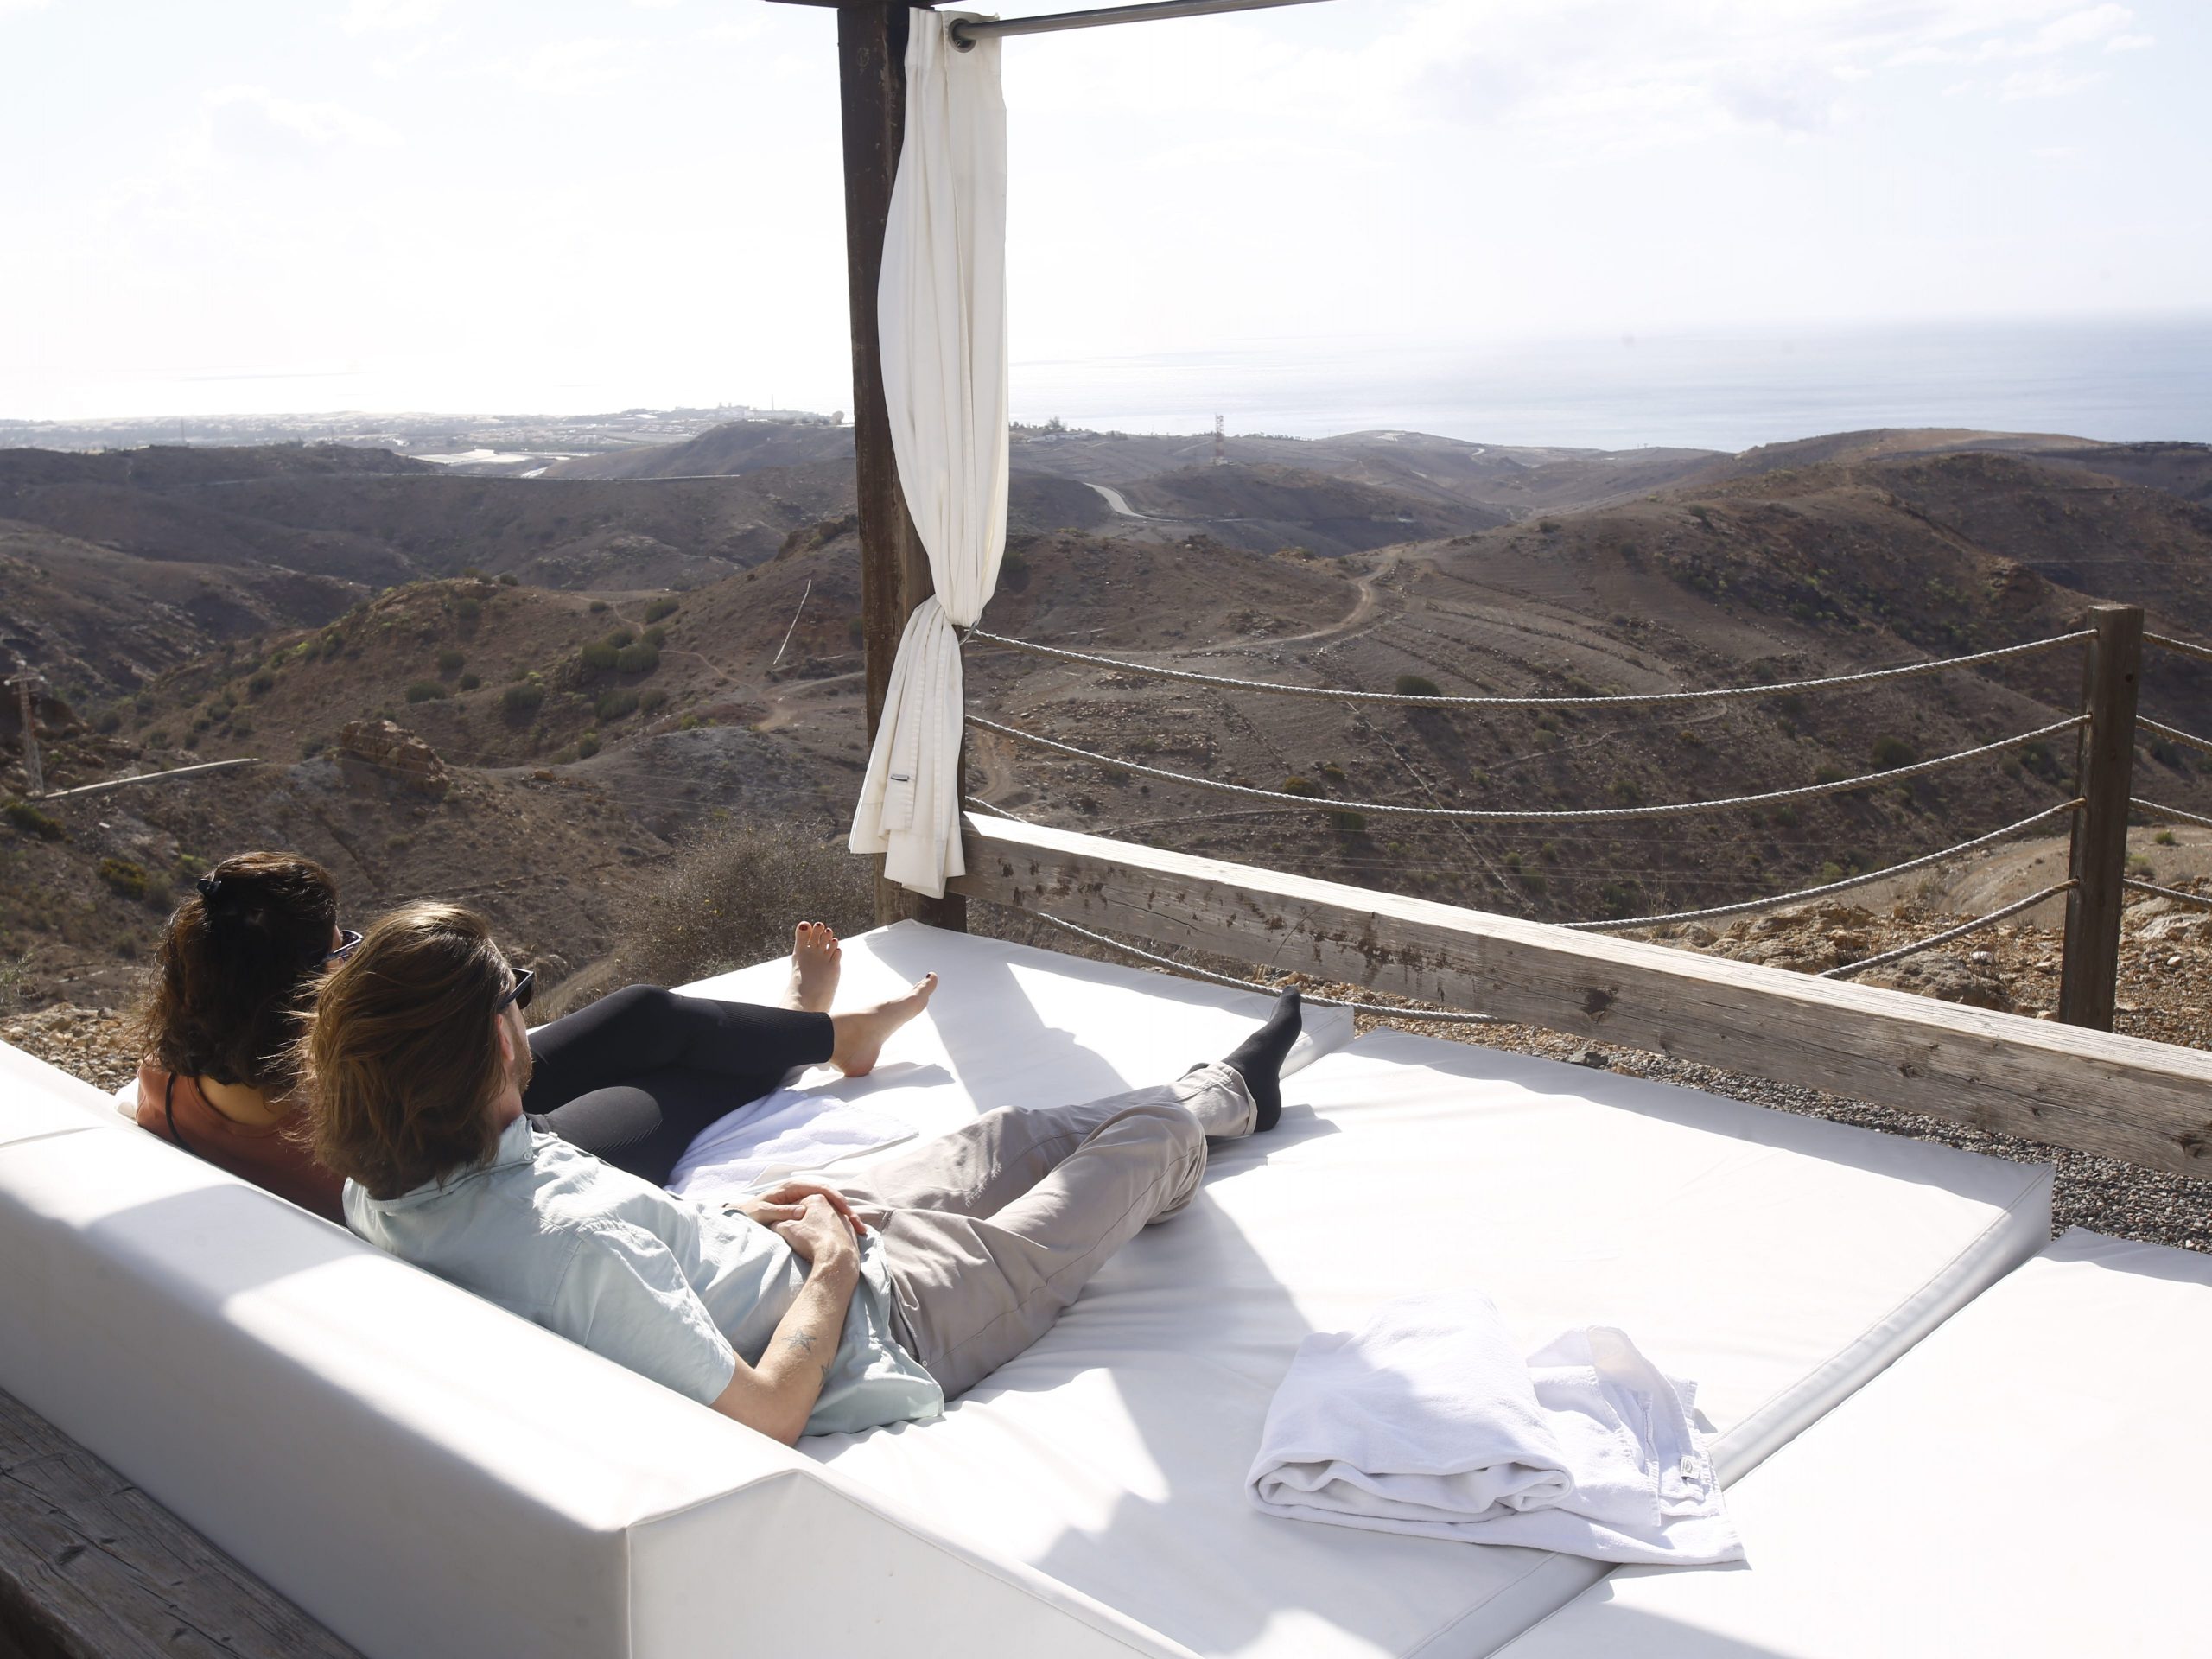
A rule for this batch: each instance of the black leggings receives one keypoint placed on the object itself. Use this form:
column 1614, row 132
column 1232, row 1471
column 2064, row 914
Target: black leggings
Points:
column 633, row 1076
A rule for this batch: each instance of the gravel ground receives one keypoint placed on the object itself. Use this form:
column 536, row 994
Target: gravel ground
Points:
column 2164, row 970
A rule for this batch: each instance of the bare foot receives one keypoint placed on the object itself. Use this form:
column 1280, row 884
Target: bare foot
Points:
column 861, row 1035
column 817, row 958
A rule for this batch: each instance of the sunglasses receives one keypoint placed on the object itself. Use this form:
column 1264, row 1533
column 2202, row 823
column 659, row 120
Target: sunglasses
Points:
column 518, row 993
column 348, row 938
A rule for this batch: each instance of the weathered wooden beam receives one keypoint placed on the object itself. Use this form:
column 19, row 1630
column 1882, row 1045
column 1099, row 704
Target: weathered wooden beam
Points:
column 894, row 567
column 93, row 1568
column 2148, row 1103
column 2089, row 975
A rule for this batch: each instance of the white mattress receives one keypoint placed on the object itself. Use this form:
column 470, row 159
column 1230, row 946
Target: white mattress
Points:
column 1015, row 1026
column 2032, row 1482
column 1779, row 1261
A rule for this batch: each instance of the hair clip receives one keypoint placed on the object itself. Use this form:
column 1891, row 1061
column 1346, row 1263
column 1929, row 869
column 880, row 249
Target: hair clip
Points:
column 209, row 885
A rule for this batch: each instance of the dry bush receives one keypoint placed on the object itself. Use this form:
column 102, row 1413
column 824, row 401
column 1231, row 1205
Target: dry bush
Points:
column 730, row 899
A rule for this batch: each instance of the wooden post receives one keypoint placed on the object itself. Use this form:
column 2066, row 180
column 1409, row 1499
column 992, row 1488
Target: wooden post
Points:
column 2105, row 771
column 28, row 685
column 894, row 569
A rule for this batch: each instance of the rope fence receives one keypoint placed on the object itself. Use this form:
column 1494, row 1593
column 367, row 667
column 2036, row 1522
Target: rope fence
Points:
column 1844, row 886
column 2173, row 813
column 2181, row 893
column 1451, row 1016
column 2175, row 732
column 1513, row 815
column 1783, row 688
column 1851, row 969
column 2185, row 647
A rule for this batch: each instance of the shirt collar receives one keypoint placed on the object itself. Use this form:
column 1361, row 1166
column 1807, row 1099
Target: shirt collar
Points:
column 515, row 1146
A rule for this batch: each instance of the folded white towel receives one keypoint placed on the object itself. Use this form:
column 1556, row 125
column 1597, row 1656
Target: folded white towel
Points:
column 785, row 1131
column 1426, row 1421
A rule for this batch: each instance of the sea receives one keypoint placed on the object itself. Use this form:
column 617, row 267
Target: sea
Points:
column 2119, row 380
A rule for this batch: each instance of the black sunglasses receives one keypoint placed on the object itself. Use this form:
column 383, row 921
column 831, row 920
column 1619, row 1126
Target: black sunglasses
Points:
column 348, row 938
column 518, row 993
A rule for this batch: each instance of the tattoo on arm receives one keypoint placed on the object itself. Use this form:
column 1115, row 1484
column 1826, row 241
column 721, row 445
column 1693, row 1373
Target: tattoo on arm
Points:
column 801, row 1341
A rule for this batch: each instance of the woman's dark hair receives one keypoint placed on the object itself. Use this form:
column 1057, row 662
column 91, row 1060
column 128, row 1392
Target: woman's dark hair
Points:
column 237, row 965
column 399, row 1057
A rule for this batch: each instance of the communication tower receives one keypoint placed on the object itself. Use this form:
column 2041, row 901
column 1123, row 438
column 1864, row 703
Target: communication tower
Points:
column 1220, row 456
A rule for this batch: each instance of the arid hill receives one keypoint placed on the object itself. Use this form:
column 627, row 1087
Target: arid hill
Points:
column 682, row 675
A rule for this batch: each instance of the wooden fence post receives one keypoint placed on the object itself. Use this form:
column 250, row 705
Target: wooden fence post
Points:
column 2105, row 774
column 895, row 568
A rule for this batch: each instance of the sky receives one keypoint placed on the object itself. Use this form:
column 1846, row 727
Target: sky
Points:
column 243, row 206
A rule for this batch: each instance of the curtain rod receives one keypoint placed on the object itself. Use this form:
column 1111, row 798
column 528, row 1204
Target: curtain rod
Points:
column 967, row 31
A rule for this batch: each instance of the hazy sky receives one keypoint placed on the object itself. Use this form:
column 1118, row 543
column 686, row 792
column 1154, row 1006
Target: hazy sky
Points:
column 568, row 204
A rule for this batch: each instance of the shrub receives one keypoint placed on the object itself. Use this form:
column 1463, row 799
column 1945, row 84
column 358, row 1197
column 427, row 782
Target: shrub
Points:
column 467, row 612
column 508, row 579
column 32, row 822
column 651, row 702
column 109, row 724
column 425, row 691
column 470, row 682
column 588, row 745
column 1625, row 790
column 655, row 636
column 157, row 740
column 1333, row 771
column 1418, row 685
column 519, row 701
column 130, row 880
column 597, row 608
column 661, row 608
column 1890, row 752
column 598, row 657
column 640, row 658
column 2165, row 838
column 1347, row 822
column 449, row 661
column 619, row 638
column 728, row 899
column 314, row 746
column 1829, row 774
column 617, row 704
column 1618, row 898
column 1295, row 785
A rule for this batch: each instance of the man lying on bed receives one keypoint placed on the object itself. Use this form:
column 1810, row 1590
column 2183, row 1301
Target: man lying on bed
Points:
column 807, row 1310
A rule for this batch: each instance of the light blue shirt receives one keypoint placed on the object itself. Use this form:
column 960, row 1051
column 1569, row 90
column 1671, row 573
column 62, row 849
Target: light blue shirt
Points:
column 664, row 1285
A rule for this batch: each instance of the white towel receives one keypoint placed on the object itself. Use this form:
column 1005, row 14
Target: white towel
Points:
column 1426, row 1422
column 780, row 1133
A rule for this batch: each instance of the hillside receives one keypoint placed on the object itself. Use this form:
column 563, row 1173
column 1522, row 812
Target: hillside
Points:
column 116, row 566
column 679, row 677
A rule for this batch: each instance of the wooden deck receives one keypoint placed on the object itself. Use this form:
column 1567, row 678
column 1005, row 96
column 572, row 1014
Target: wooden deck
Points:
column 93, row 1568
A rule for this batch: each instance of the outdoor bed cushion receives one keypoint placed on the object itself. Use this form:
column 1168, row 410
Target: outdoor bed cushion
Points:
column 1777, row 1259
column 427, row 1475
column 2030, row 1482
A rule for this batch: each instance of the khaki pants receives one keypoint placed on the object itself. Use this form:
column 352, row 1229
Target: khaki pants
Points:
column 988, row 1232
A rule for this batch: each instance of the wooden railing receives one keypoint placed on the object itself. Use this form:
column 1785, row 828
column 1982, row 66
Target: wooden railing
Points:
column 2149, row 1103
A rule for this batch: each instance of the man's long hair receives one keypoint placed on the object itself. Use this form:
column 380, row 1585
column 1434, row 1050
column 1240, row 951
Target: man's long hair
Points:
column 399, row 1060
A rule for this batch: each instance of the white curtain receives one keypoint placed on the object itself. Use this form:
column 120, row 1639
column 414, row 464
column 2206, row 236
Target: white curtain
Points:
column 941, row 309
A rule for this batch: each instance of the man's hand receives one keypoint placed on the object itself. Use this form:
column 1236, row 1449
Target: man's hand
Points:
column 795, row 1193
column 820, row 1235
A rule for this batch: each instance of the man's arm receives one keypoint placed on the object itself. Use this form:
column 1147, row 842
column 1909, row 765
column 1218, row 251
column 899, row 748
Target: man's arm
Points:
column 777, row 1395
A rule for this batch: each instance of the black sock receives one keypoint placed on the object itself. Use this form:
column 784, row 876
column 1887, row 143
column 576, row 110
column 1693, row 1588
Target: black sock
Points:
column 1258, row 1059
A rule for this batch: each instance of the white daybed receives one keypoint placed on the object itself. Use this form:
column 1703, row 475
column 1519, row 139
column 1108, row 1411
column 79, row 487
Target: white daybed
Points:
column 428, row 1475
column 2030, row 1482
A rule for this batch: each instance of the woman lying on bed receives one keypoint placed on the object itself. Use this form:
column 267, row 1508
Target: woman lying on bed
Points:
column 631, row 1077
